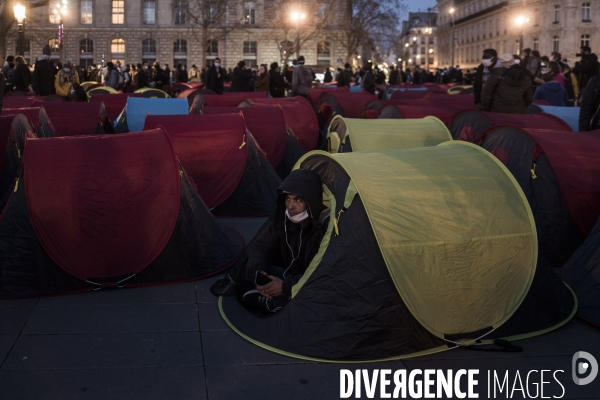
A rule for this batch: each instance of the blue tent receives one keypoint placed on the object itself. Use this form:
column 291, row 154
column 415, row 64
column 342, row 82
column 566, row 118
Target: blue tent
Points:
column 134, row 115
column 568, row 114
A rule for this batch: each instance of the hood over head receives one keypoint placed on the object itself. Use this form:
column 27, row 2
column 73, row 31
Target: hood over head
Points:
column 305, row 183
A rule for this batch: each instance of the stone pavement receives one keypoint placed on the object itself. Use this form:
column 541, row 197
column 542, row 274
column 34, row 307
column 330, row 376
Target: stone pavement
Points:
column 169, row 342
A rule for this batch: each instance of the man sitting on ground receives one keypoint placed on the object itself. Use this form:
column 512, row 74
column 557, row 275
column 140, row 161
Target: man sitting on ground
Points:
column 280, row 254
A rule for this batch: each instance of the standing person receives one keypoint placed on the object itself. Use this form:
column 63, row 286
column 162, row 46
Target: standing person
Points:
column 589, row 112
column 65, row 79
column 261, row 83
column 112, row 76
column 551, row 91
column 215, row 76
column 182, row 75
column 21, row 75
column 534, row 62
column 489, row 61
column 141, row 78
column 394, row 78
column 345, row 78
column 301, row 79
column 328, row 77
column 277, row 83
column 8, row 69
column 508, row 89
column 368, row 82
column 240, row 80
column 2, row 87
column 555, row 70
column 166, row 76
column 587, row 68
column 194, row 74
column 44, row 72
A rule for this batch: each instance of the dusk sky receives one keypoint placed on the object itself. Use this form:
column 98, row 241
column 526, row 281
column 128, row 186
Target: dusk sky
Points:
column 415, row 5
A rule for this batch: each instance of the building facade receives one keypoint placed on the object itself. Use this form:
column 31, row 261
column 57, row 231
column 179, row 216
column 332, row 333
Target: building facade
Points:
column 467, row 27
column 137, row 31
column 418, row 42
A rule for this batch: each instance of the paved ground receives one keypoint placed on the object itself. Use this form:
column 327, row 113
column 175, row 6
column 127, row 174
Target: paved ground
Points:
column 169, row 342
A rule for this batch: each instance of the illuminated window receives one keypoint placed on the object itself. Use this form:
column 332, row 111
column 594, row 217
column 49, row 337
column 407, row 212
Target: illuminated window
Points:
column 555, row 43
column 118, row 12
column 250, row 13
column 86, row 12
column 86, row 52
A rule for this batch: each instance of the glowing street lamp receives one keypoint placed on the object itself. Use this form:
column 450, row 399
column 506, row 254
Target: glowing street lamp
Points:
column 406, row 45
column 452, row 10
column 20, row 16
column 297, row 17
column 520, row 21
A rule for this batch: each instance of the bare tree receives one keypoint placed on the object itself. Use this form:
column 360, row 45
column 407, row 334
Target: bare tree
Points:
column 7, row 19
column 370, row 21
column 301, row 23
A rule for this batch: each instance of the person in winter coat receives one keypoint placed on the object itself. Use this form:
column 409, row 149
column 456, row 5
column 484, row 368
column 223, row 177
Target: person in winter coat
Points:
column 489, row 61
column 261, row 83
column 215, row 76
column 284, row 250
column 194, row 74
column 346, row 76
column 328, row 77
column 66, row 77
column 182, row 74
column 508, row 89
column 301, row 79
column 587, row 68
column 44, row 72
column 368, row 82
column 8, row 70
column 277, row 83
column 551, row 91
column 21, row 75
column 112, row 76
column 240, row 80
column 589, row 112
column 2, row 86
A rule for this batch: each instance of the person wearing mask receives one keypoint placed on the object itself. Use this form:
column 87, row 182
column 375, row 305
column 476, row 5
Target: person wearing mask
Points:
column 587, row 68
column 261, row 83
column 489, row 61
column 241, row 77
column 215, row 76
column 65, row 80
column 112, row 76
column 8, row 70
column 508, row 89
column 589, row 112
column 194, row 74
column 44, row 72
column 21, row 75
column 555, row 70
column 277, row 83
column 301, row 79
column 551, row 91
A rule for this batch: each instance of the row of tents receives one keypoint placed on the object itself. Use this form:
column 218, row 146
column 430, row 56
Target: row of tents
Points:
column 439, row 237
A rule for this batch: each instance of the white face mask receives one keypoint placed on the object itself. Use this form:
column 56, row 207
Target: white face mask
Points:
column 298, row 217
column 545, row 71
column 487, row 62
column 67, row 69
column 217, row 65
column 517, row 61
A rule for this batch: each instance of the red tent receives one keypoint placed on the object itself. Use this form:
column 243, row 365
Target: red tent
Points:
column 299, row 116
column 73, row 119
column 466, row 101
column 22, row 101
column 467, row 125
column 403, row 95
column 315, row 93
column 351, row 105
column 223, row 160
column 393, row 110
column 102, row 211
column 113, row 103
column 32, row 113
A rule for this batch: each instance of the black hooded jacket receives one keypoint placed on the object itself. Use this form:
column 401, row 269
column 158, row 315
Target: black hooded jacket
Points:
column 507, row 91
column 587, row 68
column 271, row 247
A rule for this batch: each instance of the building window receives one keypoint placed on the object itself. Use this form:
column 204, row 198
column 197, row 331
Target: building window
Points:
column 422, row 40
column 431, row 41
column 118, row 12
column 54, row 13
column 536, row 44
column 555, row 44
column 323, row 53
column 536, row 17
column 86, row 11
column 86, row 52
column 26, row 51
column 556, row 14
column 148, row 51
column 422, row 50
column 180, row 52
column 54, row 49
column 149, row 12
column 585, row 40
column 250, row 13
column 250, row 52
column 180, row 8
column 117, row 50
column 586, row 12
column 212, row 51
column 323, row 8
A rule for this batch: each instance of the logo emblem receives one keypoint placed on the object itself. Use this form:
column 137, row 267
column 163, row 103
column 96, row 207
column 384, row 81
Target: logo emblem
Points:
column 584, row 363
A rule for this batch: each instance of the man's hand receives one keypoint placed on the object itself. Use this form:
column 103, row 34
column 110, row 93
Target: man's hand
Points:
column 271, row 289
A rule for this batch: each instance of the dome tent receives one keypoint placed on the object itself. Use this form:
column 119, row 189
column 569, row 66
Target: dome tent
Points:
column 355, row 134
column 149, row 226
column 558, row 172
column 134, row 114
column 230, row 172
column 401, row 273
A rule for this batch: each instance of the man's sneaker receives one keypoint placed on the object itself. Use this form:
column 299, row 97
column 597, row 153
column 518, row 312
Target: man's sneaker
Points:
column 258, row 304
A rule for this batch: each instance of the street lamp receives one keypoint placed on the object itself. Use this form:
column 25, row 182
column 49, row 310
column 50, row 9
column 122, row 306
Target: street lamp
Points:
column 297, row 17
column 520, row 21
column 452, row 10
column 20, row 16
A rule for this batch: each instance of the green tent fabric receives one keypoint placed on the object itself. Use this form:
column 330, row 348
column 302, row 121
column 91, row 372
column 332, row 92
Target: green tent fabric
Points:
column 426, row 249
column 353, row 134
